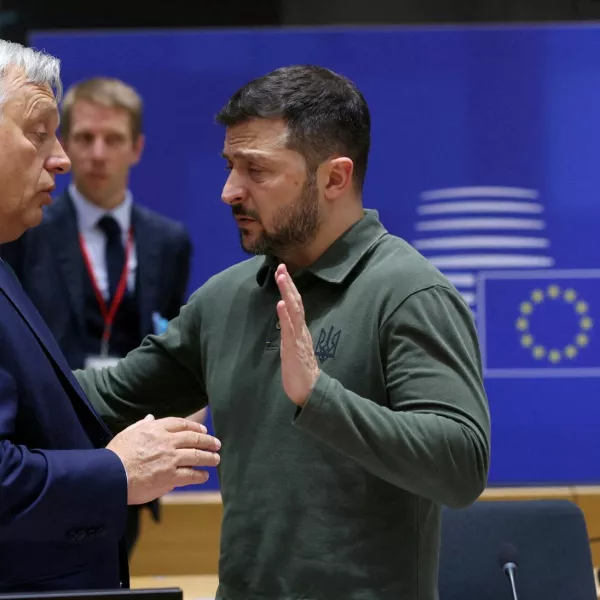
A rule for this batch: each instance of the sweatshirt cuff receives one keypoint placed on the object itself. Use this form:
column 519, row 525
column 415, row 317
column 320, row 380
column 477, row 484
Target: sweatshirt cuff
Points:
column 315, row 404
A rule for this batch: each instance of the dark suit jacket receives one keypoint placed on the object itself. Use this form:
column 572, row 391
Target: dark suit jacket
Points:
column 47, row 260
column 63, row 496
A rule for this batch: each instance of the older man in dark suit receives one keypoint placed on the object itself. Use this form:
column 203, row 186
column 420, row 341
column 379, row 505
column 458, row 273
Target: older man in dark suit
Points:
column 103, row 271
column 65, row 482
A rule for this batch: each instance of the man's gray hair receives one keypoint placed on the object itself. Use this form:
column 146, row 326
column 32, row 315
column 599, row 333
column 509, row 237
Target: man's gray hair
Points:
column 39, row 68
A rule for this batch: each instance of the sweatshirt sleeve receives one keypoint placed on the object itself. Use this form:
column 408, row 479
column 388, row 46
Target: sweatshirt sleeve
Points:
column 433, row 436
column 161, row 377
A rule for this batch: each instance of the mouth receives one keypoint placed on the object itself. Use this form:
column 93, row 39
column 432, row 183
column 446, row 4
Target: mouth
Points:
column 46, row 198
column 244, row 220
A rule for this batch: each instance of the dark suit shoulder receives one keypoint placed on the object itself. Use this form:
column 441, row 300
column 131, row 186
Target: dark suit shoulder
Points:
column 166, row 226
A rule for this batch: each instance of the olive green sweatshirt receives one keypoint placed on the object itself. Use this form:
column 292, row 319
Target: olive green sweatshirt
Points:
column 342, row 498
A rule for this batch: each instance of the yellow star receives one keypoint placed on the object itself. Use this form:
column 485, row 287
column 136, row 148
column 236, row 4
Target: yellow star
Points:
column 553, row 291
column 570, row 351
column 581, row 307
column 554, row 356
column 526, row 308
column 582, row 340
column 527, row 340
column 586, row 323
column 539, row 352
column 570, row 295
column 537, row 296
column 522, row 324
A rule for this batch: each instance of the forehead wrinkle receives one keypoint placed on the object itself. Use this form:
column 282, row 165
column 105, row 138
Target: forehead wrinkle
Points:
column 40, row 103
column 43, row 107
column 253, row 135
column 257, row 149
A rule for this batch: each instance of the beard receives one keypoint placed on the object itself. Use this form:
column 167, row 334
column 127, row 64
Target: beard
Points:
column 293, row 226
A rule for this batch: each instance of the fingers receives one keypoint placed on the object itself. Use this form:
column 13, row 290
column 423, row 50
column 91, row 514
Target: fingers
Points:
column 289, row 282
column 171, row 424
column 295, row 294
column 190, row 457
column 287, row 328
column 291, row 297
column 176, row 424
column 195, row 440
column 286, row 285
column 187, row 476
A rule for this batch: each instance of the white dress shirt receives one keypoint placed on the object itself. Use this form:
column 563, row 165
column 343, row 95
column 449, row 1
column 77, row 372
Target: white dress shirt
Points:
column 88, row 215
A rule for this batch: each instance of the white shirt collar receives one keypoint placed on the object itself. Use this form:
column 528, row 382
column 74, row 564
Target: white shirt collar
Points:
column 88, row 214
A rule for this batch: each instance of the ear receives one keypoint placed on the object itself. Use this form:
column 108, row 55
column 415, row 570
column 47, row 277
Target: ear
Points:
column 339, row 179
column 138, row 148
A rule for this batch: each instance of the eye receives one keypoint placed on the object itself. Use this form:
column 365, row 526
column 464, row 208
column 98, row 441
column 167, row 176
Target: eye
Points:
column 83, row 138
column 115, row 140
column 40, row 137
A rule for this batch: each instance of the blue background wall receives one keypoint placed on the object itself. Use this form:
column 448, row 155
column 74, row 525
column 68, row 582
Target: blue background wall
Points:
column 511, row 111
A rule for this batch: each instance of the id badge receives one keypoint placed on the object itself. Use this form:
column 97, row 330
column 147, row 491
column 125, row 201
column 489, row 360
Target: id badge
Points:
column 99, row 362
column 160, row 323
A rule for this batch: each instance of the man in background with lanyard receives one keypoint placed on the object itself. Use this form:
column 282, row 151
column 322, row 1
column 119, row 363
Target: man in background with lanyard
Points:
column 111, row 278
column 103, row 271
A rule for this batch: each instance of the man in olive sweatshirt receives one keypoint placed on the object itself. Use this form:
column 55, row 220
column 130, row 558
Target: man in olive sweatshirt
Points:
column 342, row 369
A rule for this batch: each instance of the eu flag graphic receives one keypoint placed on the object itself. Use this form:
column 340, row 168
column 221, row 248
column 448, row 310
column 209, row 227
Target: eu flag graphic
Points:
column 540, row 324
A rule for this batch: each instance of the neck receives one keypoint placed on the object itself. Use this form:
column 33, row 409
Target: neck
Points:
column 332, row 228
column 110, row 202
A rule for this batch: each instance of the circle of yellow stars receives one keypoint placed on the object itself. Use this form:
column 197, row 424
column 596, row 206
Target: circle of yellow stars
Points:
column 554, row 293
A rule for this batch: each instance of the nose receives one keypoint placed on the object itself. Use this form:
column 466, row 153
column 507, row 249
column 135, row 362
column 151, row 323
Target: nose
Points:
column 98, row 148
column 233, row 190
column 58, row 162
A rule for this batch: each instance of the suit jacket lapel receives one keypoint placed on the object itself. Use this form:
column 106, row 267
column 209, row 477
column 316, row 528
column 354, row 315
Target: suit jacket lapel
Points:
column 65, row 240
column 14, row 292
column 147, row 277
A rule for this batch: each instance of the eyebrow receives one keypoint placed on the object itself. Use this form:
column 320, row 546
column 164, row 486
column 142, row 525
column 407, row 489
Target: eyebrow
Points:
column 246, row 154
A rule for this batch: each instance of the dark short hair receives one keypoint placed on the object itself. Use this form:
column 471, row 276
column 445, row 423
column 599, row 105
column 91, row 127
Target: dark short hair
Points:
column 324, row 112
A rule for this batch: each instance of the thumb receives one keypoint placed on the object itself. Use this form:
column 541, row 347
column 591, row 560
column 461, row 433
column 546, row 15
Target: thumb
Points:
column 149, row 418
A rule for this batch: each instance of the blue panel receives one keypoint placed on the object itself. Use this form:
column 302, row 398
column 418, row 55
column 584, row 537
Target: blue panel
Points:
column 485, row 155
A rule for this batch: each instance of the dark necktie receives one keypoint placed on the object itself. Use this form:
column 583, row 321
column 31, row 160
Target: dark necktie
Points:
column 115, row 253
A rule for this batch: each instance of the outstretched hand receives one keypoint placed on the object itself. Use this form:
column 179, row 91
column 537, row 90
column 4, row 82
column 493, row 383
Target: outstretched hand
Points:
column 299, row 369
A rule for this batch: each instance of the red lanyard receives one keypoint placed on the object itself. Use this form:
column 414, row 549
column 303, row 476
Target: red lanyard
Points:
column 108, row 313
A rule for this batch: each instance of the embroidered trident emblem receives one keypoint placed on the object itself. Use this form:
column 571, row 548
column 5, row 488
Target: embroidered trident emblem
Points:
column 327, row 343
